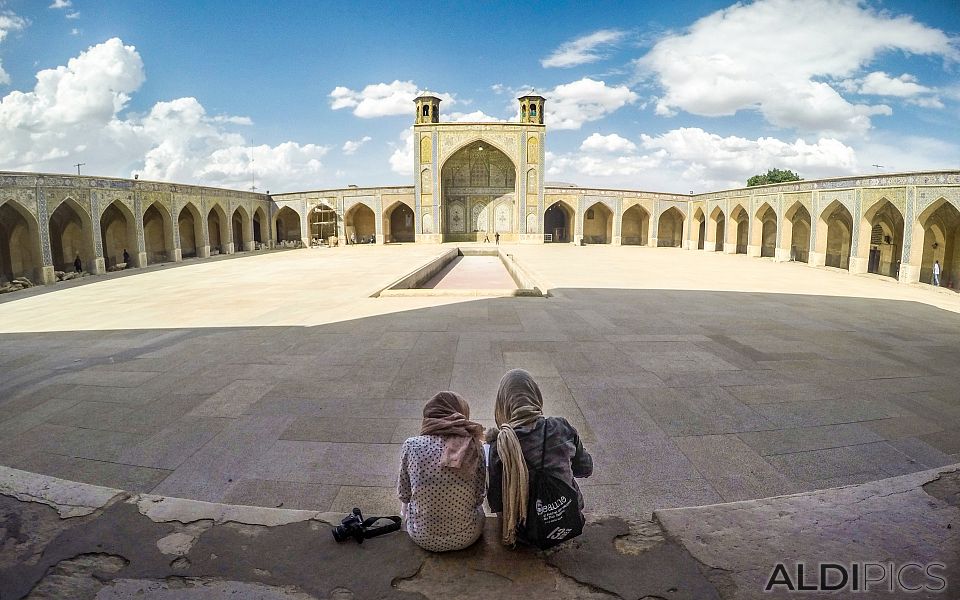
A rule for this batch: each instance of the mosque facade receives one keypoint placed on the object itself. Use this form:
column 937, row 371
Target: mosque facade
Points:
column 479, row 181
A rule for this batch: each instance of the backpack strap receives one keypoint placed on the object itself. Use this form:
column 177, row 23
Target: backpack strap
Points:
column 543, row 448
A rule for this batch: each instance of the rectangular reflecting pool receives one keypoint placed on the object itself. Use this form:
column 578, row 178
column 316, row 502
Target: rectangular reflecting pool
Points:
column 466, row 272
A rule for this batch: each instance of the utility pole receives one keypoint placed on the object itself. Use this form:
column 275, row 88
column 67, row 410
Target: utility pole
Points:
column 253, row 177
column 78, row 165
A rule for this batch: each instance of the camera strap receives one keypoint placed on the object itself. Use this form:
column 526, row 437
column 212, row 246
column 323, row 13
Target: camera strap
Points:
column 369, row 531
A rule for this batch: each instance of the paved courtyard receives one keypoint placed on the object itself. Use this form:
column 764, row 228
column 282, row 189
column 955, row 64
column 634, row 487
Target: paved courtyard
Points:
column 275, row 379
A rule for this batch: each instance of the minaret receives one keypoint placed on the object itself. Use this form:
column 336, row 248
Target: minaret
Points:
column 428, row 109
column 531, row 109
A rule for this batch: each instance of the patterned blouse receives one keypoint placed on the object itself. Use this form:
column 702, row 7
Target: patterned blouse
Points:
column 442, row 507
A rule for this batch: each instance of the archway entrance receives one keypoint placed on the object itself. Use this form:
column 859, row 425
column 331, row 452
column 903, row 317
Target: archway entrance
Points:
column 360, row 225
column 240, row 225
column 796, row 229
column 217, row 230
column 766, row 231
column 670, row 228
column 834, row 234
column 634, row 226
column 701, row 222
column 19, row 244
column 718, row 228
column 742, row 220
column 190, row 227
column 558, row 221
column 322, row 221
column 881, row 247
column 478, row 184
column 118, row 234
column 398, row 224
column 157, row 234
column 288, row 226
column 71, row 237
column 259, row 218
column 598, row 224
column 941, row 242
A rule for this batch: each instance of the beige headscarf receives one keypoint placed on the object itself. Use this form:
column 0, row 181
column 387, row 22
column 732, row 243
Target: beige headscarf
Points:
column 447, row 414
column 519, row 403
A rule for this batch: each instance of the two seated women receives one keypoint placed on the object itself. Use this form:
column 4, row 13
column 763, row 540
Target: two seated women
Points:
column 444, row 471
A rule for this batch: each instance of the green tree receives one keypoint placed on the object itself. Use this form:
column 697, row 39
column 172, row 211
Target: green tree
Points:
column 773, row 176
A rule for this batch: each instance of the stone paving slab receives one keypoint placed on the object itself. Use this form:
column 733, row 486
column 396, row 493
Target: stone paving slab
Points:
column 649, row 369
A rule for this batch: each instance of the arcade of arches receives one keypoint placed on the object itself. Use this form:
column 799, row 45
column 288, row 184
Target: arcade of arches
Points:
column 880, row 226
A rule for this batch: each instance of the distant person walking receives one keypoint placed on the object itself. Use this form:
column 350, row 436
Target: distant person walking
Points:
column 77, row 265
column 486, row 237
column 936, row 272
column 496, row 237
column 126, row 259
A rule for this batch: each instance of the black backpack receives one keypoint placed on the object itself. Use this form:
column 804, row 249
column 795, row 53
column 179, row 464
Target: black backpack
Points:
column 553, row 508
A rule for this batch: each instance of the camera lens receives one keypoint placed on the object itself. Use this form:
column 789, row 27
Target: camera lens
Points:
column 339, row 533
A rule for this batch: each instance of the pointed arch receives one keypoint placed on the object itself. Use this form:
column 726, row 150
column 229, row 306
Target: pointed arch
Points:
column 717, row 230
column 190, row 227
column 834, row 235
column 701, row 224
column 796, row 233
column 559, row 222
column 360, row 224
column 936, row 238
column 118, row 235
column 763, row 234
column 287, row 227
column 71, row 237
column 741, row 217
column 880, row 242
column 20, row 254
column 598, row 224
column 398, row 223
column 634, row 226
column 259, row 226
column 670, row 228
column 158, row 234
column 241, row 230
column 218, row 230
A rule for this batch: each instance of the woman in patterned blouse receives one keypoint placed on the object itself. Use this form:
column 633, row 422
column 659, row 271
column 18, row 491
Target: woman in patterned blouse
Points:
column 443, row 475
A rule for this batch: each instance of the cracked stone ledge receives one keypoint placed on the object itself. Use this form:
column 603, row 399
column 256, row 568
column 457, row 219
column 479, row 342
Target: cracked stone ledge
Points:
column 69, row 498
column 77, row 499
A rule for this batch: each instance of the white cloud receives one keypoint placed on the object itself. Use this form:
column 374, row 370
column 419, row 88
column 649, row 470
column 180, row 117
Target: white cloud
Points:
column 879, row 83
column 570, row 105
column 75, row 114
column 926, row 102
column 74, row 31
column 477, row 116
column 9, row 22
column 691, row 158
column 351, row 146
column 612, row 143
column 73, row 14
column 380, row 99
column 61, row 4
column 401, row 160
column 773, row 55
column 583, row 50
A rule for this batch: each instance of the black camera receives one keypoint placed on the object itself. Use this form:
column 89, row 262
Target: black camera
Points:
column 356, row 527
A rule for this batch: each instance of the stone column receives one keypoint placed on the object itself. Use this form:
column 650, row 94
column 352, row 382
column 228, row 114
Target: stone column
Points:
column 99, row 264
column 140, row 255
column 818, row 234
column 47, row 275
column 911, row 257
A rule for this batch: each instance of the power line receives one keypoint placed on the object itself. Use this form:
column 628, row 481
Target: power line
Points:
column 78, row 165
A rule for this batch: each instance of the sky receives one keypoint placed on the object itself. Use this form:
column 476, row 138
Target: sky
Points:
column 659, row 96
